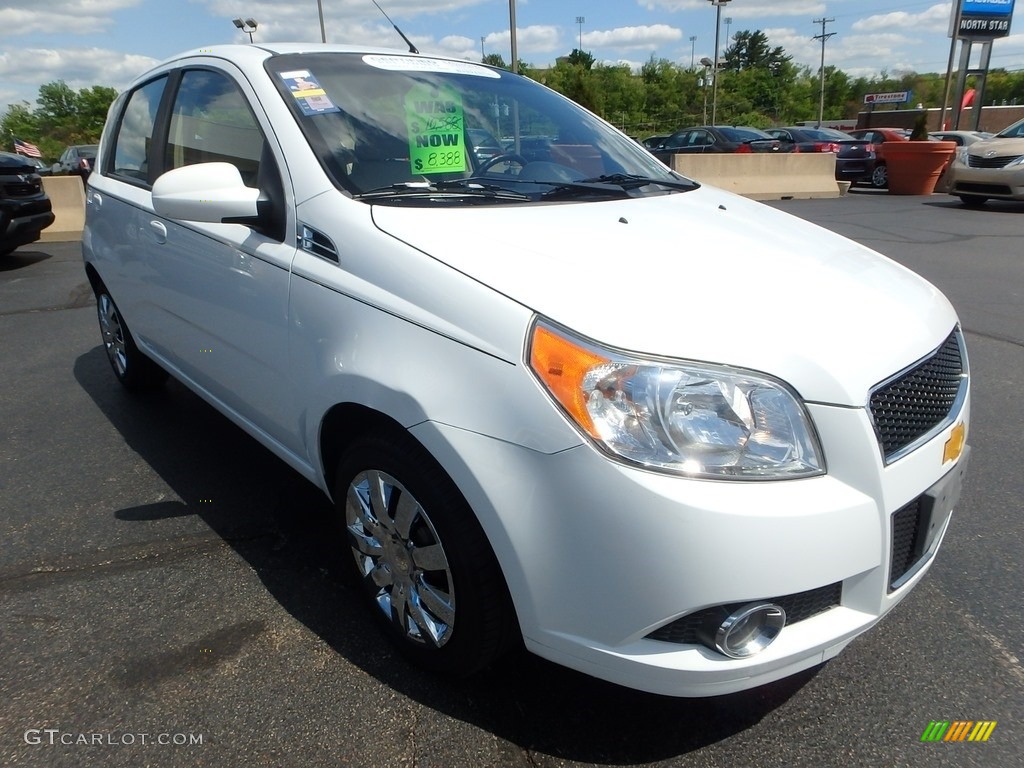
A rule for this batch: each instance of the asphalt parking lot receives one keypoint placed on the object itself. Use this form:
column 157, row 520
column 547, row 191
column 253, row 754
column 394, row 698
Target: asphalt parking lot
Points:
column 170, row 595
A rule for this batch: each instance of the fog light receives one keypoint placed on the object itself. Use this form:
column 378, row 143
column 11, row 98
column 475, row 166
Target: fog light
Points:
column 749, row 629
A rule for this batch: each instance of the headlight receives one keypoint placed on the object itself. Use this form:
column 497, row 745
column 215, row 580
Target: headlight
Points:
column 961, row 156
column 1017, row 161
column 689, row 418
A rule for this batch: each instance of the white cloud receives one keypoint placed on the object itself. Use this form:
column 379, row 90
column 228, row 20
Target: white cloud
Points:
column 649, row 37
column 79, row 68
column 744, row 9
column 80, row 17
column 935, row 19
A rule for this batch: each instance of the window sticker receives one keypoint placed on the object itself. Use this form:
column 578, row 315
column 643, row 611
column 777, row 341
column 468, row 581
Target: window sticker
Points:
column 309, row 95
column 436, row 124
column 421, row 64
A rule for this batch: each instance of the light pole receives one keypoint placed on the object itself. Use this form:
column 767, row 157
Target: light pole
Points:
column 323, row 29
column 693, row 47
column 512, row 31
column 482, row 54
column 728, row 26
column 707, row 64
column 248, row 26
column 580, row 20
column 718, row 31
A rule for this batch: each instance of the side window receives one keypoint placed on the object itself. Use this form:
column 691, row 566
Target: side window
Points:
column 211, row 122
column 135, row 134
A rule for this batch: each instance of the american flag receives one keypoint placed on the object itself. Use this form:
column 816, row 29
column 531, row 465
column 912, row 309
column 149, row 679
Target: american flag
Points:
column 26, row 148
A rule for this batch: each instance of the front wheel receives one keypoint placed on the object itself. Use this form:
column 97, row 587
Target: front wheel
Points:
column 973, row 201
column 131, row 367
column 421, row 557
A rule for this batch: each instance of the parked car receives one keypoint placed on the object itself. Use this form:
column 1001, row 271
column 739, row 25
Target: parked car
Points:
column 992, row 169
column 548, row 401
column 855, row 158
column 706, row 139
column 40, row 167
column 25, row 209
column 76, row 160
column 653, row 142
column 962, row 138
column 877, row 137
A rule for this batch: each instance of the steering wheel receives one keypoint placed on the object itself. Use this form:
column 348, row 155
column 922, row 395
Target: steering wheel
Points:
column 505, row 158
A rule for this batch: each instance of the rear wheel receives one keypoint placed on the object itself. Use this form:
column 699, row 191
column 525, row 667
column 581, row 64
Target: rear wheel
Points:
column 132, row 368
column 421, row 557
column 880, row 177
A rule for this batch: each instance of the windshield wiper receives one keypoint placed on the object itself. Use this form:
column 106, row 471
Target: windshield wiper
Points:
column 459, row 188
column 632, row 181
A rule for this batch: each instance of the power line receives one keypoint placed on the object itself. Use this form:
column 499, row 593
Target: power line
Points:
column 824, row 36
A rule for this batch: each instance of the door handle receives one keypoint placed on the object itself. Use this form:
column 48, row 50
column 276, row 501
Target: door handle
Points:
column 159, row 231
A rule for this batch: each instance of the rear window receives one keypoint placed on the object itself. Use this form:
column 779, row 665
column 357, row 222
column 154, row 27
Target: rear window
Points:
column 745, row 134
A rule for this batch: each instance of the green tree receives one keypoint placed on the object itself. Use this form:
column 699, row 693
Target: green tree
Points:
column 62, row 116
column 495, row 60
column 582, row 58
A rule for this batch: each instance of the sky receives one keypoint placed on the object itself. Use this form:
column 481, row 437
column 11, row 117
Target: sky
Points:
column 110, row 42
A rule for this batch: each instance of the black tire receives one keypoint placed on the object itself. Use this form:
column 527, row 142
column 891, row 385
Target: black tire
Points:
column 972, row 201
column 420, row 556
column 131, row 367
column 880, row 177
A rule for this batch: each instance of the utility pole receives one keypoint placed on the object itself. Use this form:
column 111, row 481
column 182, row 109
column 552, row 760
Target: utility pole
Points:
column 823, row 37
column 693, row 48
column 581, row 20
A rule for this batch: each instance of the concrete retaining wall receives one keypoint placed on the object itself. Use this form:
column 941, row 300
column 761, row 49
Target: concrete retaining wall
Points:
column 68, row 197
column 763, row 176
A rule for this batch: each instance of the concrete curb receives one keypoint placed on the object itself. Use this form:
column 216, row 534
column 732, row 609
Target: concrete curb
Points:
column 68, row 197
column 762, row 176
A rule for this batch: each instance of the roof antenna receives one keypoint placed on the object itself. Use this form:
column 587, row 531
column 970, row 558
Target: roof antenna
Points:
column 412, row 48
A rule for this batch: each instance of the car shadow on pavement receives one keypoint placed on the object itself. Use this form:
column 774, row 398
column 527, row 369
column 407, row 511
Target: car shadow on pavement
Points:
column 280, row 524
column 20, row 258
column 990, row 206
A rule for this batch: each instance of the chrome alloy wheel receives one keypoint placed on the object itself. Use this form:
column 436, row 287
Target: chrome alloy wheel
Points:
column 397, row 549
column 113, row 334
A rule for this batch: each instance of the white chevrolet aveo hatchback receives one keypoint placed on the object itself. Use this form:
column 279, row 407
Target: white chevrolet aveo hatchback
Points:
column 558, row 394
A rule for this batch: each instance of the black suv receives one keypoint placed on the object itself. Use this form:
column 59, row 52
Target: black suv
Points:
column 25, row 210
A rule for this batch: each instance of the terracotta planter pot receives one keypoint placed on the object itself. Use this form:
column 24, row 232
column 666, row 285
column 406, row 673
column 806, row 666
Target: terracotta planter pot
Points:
column 915, row 166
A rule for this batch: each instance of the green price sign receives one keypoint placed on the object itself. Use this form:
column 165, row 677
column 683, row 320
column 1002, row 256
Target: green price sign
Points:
column 436, row 125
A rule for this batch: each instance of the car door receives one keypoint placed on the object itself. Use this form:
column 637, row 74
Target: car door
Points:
column 224, row 287
column 209, row 301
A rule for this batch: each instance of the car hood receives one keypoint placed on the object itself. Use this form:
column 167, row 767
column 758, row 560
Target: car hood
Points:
column 704, row 275
column 997, row 147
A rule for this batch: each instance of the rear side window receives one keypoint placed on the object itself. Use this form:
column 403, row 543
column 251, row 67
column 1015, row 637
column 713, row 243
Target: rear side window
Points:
column 135, row 135
column 211, row 122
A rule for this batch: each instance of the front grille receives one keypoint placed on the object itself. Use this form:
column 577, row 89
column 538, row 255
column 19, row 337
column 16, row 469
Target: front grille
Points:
column 20, row 188
column 802, row 605
column 982, row 188
column 990, row 162
column 907, row 541
column 920, row 399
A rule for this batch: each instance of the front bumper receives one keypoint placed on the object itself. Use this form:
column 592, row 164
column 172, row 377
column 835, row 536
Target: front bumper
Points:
column 598, row 555
column 995, row 183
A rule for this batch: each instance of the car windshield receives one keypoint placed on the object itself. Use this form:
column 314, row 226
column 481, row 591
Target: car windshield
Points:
column 413, row 130
column 1015, row 131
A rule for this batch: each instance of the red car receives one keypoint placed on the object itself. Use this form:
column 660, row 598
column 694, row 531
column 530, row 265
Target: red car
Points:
column 877, row 136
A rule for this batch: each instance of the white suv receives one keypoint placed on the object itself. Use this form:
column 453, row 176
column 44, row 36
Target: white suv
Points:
column 656, row 432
